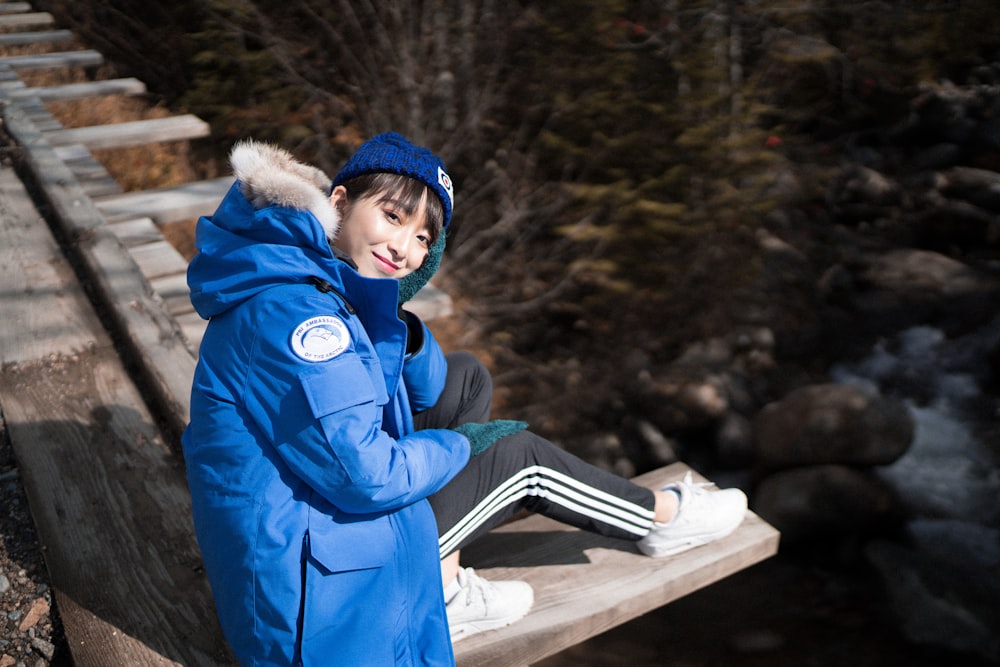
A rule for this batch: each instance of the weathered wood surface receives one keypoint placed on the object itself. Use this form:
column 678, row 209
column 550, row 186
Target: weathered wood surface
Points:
column 26, row 38
column 132, row 133
column 107, row 493
column 40, row 313
column 18, row 18
column 158, row 259
column 78, row 91
column 168, row 204
column 14, row 7
column 137, row 232
column 136, row 313
column 82, row 58
column 585, row 584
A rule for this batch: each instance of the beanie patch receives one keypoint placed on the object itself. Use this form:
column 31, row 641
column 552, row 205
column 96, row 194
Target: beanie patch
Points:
column 444, row 180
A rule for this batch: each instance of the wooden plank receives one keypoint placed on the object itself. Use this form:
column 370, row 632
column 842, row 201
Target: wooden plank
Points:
column 158, row 259
column 86, row 168
column 169, row 204
column 110, row 503
column 133, row 133
column 193, row 327
column 32, row 273
column 20, row 20
column 14, row 7
column 585, row 584
column 430, row 303
column 100, row 187
column 27, row 38
column 71, row 153
column 91, row 174
column 173, row 289
column 83, row 58
column 136, row 232
column 107, row 494
column 80, row 91
column 148, row 332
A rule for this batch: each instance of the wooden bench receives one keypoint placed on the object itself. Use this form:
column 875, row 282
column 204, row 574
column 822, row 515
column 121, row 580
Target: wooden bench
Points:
column 586, row 584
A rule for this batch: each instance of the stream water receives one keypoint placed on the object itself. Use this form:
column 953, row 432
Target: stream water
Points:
column 951, row 470
column 943, row 584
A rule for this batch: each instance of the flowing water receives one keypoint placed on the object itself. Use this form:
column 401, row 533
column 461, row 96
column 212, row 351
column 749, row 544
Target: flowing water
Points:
column 943, row 585
column 950, row 470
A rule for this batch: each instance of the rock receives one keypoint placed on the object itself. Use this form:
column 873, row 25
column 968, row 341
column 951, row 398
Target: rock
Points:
column 939, row 156
column 46, row 648
column 38, row 610
column 956, row 224
column 827, row 501
column 906, row 287
column 661, row 449
column 919, row 275
column 606, row 451
column 685, row 399
column 734, row 441
column 978, row 186
column 831, row 423
column 857, row 183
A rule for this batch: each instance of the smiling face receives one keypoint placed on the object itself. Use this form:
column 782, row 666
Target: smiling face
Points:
column 386, row 237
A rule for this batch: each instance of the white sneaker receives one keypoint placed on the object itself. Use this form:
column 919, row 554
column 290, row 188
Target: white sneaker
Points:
column 702, row 517
column 483, row 605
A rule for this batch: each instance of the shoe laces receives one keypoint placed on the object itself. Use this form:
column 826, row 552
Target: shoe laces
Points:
column 688, row 485
column 474, row 586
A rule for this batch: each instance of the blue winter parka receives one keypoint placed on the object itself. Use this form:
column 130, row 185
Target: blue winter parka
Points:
column 308, row 483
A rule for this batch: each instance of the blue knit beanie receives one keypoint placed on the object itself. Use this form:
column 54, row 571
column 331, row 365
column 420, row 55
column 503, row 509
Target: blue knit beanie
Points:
column 392, row 153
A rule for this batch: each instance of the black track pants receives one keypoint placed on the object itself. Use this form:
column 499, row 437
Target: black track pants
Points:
column 523, row 471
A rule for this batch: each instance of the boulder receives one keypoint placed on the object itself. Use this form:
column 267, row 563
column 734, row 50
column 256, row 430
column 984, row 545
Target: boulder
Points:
column 831, row 423
column 921, row 275
column 825, row 501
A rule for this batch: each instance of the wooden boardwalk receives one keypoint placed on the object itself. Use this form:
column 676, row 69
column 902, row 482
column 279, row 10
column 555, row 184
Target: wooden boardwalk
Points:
column 98, row 346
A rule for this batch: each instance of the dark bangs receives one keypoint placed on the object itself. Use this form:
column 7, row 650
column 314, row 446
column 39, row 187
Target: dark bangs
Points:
column 404, row 192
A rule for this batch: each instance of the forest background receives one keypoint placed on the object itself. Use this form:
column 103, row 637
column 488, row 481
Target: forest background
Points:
column 624, row 171
column 614, row 160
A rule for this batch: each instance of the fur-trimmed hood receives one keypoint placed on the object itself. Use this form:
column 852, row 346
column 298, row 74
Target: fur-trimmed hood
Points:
column 270, row 176
column 274, row 227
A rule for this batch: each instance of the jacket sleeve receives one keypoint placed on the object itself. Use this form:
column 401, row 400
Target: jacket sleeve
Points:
column 325, row 421
column 425, row 369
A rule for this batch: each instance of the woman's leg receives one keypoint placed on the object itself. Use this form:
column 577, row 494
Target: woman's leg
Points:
column 467, row 395
column 522, row 471
column 525, row 471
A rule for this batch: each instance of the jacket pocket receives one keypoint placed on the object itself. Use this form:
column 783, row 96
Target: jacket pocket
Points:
column 342, row 383
column 345, row 542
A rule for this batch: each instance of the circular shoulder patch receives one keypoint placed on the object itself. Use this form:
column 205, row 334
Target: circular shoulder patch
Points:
column 320, row 338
